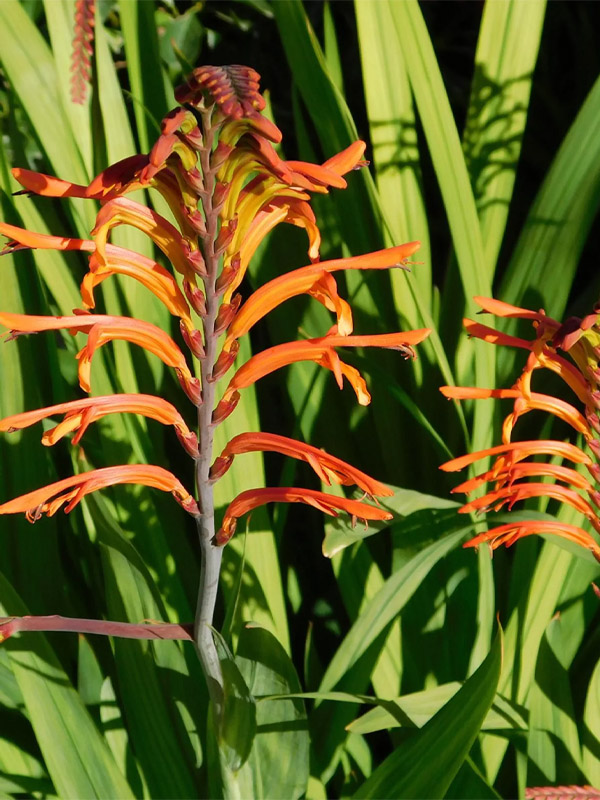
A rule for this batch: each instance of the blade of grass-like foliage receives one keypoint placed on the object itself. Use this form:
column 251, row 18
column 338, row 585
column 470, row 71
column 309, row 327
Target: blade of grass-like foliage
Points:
column 507, row 48
column 78, row 760
column 470, row 784
column 332, row 50
column 444, row 144
column 553, row 743
column 149, row 93
column 358, row 209
column 60, row 18
column 524, row 632
column 384, row 607
column 97, row 692
column 394, row 140
column 590, row 738
column 415, row 710
column 451, row 172
column 578, row 605
column 278, row 765
column 444, row 741
column 358, row 568
column 543, row 265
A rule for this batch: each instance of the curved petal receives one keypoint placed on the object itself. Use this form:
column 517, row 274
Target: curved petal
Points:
column 25, row 238
column 328, row 468
column 328, row 504
column 117, row 260
column 493, row 336
column 47, row 185
column 70, row 491
column 348, row 159
column 120, row 261
column 500, row 309
column 515, row 471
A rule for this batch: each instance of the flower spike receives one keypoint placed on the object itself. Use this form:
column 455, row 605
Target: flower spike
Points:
column 510, row 474
column 226, row 188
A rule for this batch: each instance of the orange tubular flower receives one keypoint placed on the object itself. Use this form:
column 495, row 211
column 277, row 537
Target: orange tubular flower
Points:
column 510, row 473
column 226, row 187
column 328, row 504
column 322, row 352
column 328, row 468
column 71, row 491
column 79, row 415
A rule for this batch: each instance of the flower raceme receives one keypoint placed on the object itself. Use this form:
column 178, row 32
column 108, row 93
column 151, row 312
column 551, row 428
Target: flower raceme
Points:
column 215, row 165
column 513, row 476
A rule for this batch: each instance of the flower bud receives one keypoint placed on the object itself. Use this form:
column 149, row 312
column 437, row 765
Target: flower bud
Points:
column 220, row 155
column 220, row 195
column 224, row 361
column 196, row 220
column 593, row 420
column 193, row 339
column 225, row 408
column 173, row 121
column 189, row 442
column 225, row 235
column 594, row 446
column 196, row 261
column 195, row 298
column 228, row 274
column 594, row 471
column 227, row 313
column 220, row 467
column 193, row 178
column 191, row 386
column 193, row 138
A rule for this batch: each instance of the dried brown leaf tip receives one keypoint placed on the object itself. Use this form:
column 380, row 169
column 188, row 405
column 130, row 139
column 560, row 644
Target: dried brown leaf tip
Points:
column 83, row 49
column 234, row 88
column 562, row 793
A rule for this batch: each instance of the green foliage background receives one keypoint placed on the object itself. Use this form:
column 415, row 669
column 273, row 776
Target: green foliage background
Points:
column 372, row 673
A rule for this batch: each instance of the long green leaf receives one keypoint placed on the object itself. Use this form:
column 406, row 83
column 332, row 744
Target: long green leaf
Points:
column 507, row 48
column 384, row 606
column 445, row 741
column 546, row 256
